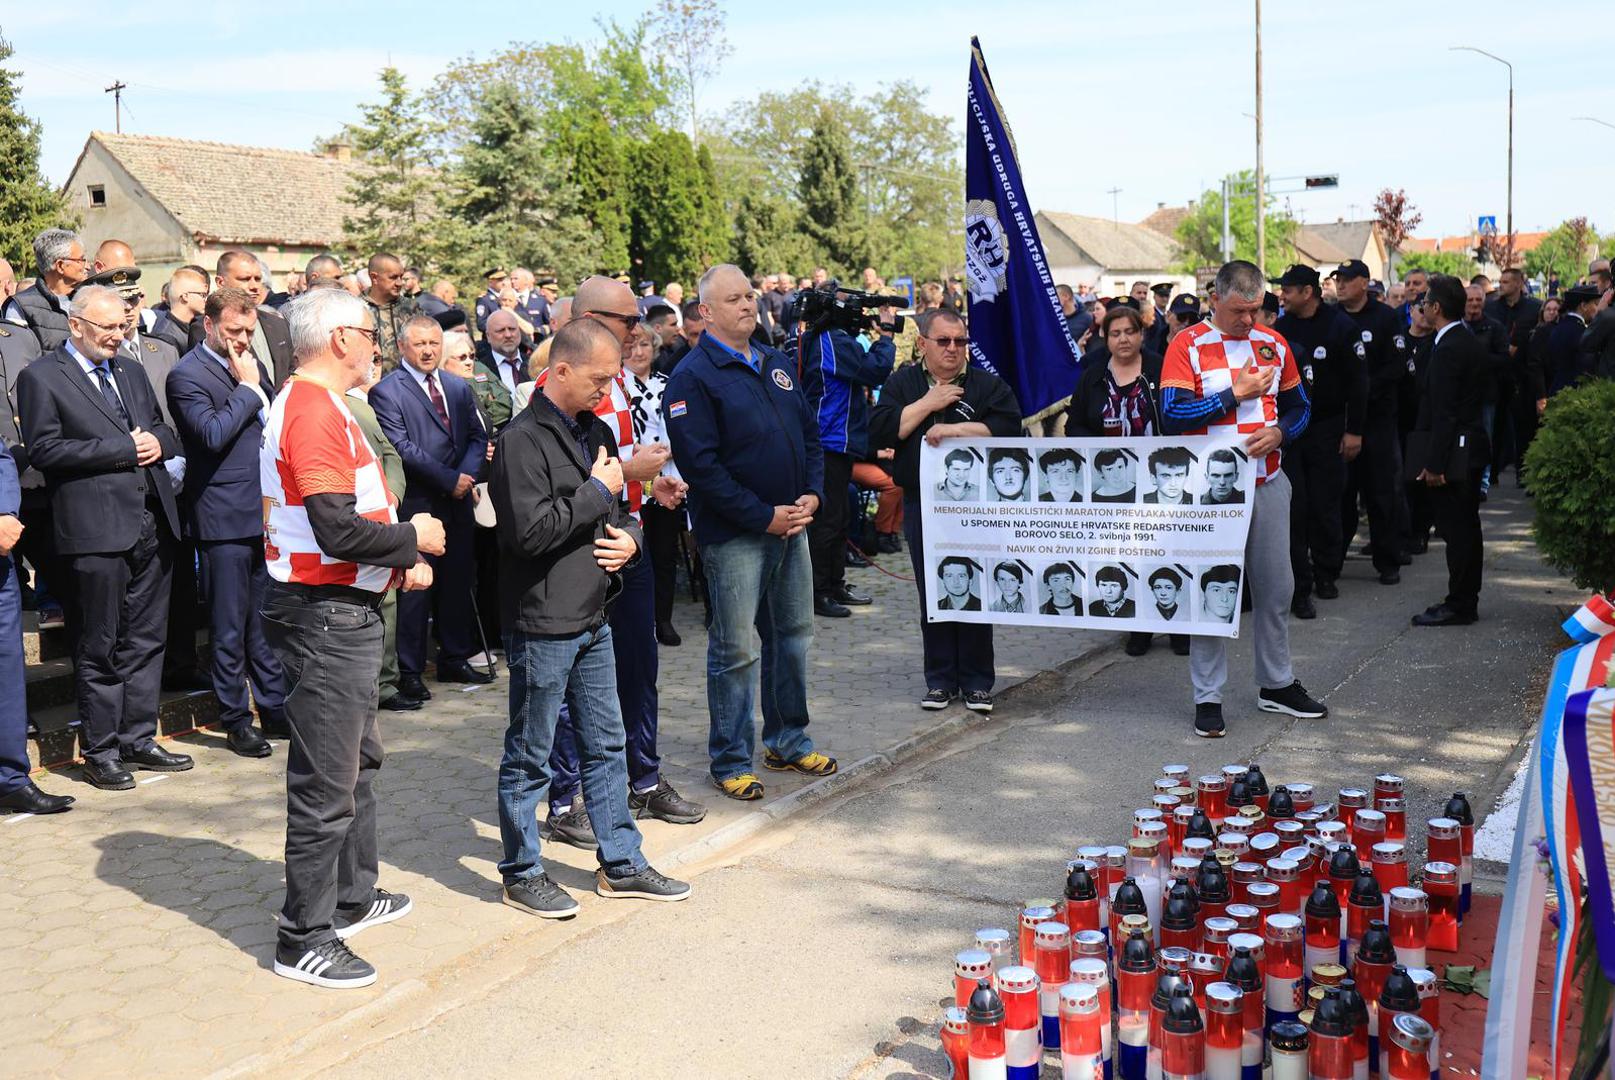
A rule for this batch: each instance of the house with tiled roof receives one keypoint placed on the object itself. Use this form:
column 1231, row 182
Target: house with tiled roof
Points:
column 1108, row 255
column 178, row 201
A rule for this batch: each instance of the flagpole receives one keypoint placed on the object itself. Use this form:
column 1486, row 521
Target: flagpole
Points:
column 1261, row 215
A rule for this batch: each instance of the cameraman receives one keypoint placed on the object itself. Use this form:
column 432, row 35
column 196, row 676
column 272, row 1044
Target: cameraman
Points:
column 838, row 375
column 940, row 398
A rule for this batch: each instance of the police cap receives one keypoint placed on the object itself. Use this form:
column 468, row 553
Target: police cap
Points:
column 1300, row 274
column 1351, row 268
column 1186, row 304
column 1577, row 295
column 122, row 279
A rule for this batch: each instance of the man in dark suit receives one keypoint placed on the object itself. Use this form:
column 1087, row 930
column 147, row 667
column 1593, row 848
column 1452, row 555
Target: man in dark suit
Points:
column 271, row 338
column 94, row 428
column 1454, row 448
column 219, row 395
column 431, row 417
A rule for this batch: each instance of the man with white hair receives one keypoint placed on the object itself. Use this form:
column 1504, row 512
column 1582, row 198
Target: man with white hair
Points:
column 334, row 546
column 756, row 480
column 93, row 426
column 1228, row 375
column 531, row 304
column 42, row 307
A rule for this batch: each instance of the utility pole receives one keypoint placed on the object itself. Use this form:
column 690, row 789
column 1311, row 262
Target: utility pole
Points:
column 1115, row 214
column 1261, row 215
column 1509, row 242
column 1227, row 235
column 116, row 90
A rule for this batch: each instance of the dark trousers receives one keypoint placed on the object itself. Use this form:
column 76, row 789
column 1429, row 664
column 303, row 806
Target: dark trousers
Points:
column 1456, row 509
column 1376, row 476
column 1525, row 425
column 1505, row 438
column 179, row 650
column 633, row 642
column 330, row 650
column 13, row 703
column 958, row 656
column 1317, row 475
column 236, row 579
column 485, row 543
column 120, row 601
column 38, row 547
column 448, row 602
column 827, row 536
column 662, row 528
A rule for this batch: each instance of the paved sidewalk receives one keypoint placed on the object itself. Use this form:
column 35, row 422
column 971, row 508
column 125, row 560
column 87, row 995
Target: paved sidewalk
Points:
column 141, row 925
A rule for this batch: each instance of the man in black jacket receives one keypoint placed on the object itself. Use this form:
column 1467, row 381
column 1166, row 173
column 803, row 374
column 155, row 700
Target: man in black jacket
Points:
column 942, row 398
column 1450, row 439
column 93, row 426
column 1497, row 378
column 1334, row 371
column 564, row 537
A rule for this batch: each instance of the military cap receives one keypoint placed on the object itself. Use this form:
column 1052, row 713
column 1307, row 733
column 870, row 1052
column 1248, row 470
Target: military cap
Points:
column 121, row 279
column 1577, row 295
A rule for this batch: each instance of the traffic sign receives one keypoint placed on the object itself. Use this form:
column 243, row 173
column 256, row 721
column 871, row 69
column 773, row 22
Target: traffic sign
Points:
column 1488, row 224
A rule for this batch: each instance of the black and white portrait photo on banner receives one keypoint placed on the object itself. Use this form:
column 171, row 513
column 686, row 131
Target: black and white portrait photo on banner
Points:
column 1122, row 534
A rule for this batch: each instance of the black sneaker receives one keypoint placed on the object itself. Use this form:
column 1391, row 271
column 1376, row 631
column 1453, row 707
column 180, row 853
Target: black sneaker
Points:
column 330, row 964
column 540, row 896
column 384, row 907
column 665, row 804
column 1292, row 699
column 1208, row 720
column 979, row 701
column 645, row 885
column 937, row 699
column 572, row 827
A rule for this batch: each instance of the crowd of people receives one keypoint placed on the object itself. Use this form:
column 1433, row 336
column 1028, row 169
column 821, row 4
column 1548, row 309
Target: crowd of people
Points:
column 357, row 483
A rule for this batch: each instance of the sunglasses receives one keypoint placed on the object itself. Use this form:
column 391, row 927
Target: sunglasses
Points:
column 951, row 342
column 626, row 320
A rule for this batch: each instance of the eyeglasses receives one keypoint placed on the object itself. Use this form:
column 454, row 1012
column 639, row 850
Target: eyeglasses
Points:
column 74, row 258
column 628, row 321
column 113, row 328
column 951, row 342
column 366, row 331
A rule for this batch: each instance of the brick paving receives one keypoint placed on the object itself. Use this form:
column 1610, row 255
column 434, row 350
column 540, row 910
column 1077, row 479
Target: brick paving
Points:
column 141, row 925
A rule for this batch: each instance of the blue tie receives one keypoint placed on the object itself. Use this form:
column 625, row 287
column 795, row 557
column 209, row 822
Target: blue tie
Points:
column 104, row 377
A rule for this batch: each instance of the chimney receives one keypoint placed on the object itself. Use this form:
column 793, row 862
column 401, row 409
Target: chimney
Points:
column 1160, row 206
column 339, row 150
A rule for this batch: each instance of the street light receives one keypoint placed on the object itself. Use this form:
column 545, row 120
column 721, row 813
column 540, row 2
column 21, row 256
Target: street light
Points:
column 1595, row 120
column 1505, row 63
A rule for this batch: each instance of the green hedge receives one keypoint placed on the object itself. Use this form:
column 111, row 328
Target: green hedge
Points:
column 1571, row 470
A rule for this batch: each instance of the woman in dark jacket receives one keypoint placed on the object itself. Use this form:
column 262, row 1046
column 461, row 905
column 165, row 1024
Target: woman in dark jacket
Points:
column 1118, row 398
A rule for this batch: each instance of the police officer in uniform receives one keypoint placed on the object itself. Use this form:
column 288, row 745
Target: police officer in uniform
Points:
column 1377, row 472
column 1334, row 370
column 488, row 302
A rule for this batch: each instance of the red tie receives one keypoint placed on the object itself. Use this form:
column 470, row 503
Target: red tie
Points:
column 437, row 401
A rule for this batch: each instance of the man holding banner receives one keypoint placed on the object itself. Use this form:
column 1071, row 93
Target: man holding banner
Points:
column 1228, row 372
column 943, row 398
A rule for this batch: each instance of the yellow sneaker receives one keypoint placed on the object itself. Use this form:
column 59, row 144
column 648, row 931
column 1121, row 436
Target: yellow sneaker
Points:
column 812, row 763
column 744, row 787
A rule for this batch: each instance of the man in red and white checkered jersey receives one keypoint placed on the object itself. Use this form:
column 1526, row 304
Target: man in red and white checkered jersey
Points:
column 1227, row 372
column 334, row 546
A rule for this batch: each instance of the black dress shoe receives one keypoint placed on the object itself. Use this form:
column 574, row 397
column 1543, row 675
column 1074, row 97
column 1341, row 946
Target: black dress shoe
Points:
column 1302, row 607
column 411, row 687
column 1442, row 615
column 848, row 595
column 400, row 703
column 246, row 741
column 667, row 635
column 28, row 799
column 856, row 560
column 108, row 776
column 155, row 759
column 1138, row 643
column 458, row 671
column 1390, row 577
column 827, row 606
column 1327, row 589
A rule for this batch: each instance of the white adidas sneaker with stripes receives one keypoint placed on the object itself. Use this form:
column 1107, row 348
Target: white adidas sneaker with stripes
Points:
column 384, row 907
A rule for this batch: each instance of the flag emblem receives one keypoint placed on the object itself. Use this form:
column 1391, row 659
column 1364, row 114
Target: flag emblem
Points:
column 985, row 261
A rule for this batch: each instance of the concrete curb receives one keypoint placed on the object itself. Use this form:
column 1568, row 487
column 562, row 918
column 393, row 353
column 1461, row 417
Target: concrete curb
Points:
column 270, row 1060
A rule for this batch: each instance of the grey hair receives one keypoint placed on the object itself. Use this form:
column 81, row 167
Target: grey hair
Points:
column 323, row 265
column 1242, row 279
column 51, row 245
column 421, row 320
column 705, row 286
column 89, row 294
column 315, row 316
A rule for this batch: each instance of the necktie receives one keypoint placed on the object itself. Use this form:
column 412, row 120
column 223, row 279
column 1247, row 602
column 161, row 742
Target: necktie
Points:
column 437, row 400
column 104, row 377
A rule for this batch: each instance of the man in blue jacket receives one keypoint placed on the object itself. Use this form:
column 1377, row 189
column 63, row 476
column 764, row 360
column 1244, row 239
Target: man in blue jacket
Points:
column 837, row 375
column 747, row 443
column 219, row 396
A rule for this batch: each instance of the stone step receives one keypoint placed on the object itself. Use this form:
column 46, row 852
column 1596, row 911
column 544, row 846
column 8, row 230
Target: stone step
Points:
column 56, row 742
column 39, row 645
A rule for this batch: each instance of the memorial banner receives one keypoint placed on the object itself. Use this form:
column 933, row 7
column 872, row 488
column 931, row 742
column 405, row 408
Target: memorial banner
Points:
column 1108, row 533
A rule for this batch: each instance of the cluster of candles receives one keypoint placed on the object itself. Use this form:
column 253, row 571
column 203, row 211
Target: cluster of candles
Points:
column 1244, row 932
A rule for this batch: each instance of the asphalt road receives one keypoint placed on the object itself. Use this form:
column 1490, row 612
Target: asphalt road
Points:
column 823, row 949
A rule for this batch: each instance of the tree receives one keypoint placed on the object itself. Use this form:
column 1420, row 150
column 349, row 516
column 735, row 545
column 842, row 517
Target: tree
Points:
column 768, row 235
column 1396, row 217
column 665, row 226
column 1201, row 232
column 1456, row 263
column 691, row 32
column 827, row 187
column 714, row 230
column 394, row 189
column 1567, row 249
column 28, row 203
column 593, row 158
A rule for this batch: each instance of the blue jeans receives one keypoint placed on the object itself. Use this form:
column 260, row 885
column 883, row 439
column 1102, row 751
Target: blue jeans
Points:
column 766, row 582
column 545, row 671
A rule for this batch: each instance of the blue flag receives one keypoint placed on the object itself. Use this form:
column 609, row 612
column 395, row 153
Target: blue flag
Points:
column 1017, row 329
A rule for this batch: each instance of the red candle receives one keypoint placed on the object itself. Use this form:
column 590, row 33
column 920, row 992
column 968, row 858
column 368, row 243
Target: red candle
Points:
column 956, row 1040
column 1213, row 797
column 1396, row 817
column 1408, row 1047
column 1410, row 925
column 1390, row 864
column 1367, row 829
column 1441, row 885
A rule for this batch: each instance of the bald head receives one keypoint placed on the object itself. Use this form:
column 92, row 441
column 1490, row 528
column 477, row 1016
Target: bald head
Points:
column 386, row 278
column 8, row 281
column 609, row 302
column 504, row 333
column 113, row 253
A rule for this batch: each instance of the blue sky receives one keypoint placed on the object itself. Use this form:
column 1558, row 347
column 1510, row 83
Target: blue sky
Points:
column 1100, row 96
